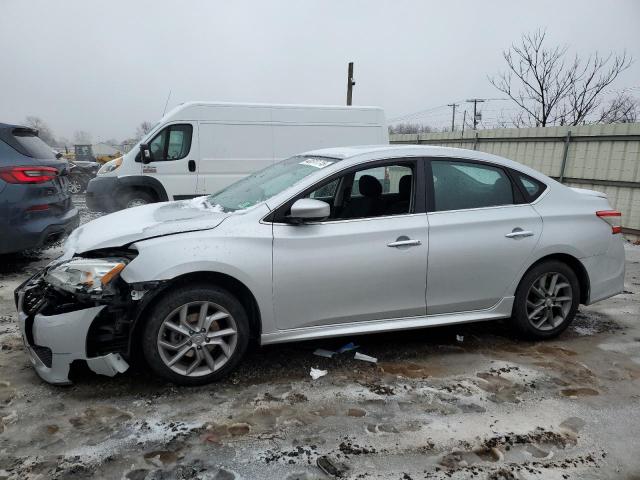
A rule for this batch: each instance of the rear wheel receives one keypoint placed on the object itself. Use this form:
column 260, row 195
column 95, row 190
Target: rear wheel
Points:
column 195, row 335
column 137, row 198
column 546, row 301
column 75, row 185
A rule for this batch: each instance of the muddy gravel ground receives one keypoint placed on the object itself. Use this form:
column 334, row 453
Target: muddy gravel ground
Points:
column 457, row 402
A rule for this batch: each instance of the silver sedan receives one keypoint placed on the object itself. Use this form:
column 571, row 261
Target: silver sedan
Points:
column 328, row 243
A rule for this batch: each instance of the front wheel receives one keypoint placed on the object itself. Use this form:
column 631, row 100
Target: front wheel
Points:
column 137, row 198
column 195, row 335
column 546, row 301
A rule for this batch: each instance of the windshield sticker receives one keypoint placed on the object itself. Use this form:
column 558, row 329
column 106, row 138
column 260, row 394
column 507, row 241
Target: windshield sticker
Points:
column 316, row 162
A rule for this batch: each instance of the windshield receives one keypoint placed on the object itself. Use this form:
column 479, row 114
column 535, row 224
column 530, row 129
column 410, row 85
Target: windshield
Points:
column 266, row 183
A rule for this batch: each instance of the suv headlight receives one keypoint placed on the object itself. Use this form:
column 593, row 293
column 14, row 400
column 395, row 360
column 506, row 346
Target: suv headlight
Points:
column 86, row 275
column 110, row 166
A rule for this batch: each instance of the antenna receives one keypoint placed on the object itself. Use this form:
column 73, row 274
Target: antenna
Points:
column 166, row 103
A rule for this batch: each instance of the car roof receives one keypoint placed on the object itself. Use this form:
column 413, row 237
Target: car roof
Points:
column 357, row 154
column 345, row 153
column 12, row 126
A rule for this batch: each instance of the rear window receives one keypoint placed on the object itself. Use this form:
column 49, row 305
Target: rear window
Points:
column 531, row 187
column 31, row 145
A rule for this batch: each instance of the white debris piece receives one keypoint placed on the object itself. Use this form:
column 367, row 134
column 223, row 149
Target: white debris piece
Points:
column 317, row 373
column 460, row 338
column 321, row 352
column 365, row 358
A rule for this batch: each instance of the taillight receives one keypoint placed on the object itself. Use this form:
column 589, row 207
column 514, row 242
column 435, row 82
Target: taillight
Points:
column 28, row 174
column 613, row 218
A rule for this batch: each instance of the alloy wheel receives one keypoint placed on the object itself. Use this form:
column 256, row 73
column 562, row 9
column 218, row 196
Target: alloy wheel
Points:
column 74, row 186
column 197, row 338
column 549, row 301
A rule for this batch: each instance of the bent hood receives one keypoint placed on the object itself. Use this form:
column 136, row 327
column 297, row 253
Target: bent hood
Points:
column 139, row 223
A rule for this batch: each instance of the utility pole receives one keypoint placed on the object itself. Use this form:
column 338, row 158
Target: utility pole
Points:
column 350, row 83
column 464, row 121
column 453, row 115
column 475, row 102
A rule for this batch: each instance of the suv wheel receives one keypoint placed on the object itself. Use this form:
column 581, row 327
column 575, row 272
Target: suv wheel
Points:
column 195, row 335
column 75, row 185
column 137, row 198
column 546, row 300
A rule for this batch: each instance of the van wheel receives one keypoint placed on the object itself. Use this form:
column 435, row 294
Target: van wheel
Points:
column 137, row 198
column 546, row 301
column 195, row 335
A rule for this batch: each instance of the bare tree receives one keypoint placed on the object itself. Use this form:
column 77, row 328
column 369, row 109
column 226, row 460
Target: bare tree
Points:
column 407, row 127
column 44, row 132
column 622, row 109
column 82, row 137
column 144, row 128
column 551, row 88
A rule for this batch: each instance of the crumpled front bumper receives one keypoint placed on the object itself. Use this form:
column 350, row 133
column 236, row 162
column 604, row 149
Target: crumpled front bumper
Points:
column 53, row 342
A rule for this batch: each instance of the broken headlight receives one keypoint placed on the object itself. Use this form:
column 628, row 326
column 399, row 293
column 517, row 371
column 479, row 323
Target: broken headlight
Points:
column 86, row 275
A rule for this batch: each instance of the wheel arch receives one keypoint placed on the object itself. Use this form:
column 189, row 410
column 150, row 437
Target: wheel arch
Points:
column 142, row 182
column 575, row 265
column 232, row 284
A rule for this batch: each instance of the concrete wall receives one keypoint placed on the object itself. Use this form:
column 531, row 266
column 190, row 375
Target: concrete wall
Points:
column 598, row 157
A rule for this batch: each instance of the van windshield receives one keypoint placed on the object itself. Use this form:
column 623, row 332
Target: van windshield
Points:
column 262, row 185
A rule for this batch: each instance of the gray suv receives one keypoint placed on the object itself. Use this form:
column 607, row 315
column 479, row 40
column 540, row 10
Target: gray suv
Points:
column 35, row 206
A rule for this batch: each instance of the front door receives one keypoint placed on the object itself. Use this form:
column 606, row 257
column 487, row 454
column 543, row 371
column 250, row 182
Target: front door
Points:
column 174, row 160
column 480, row 236
column 368, row 261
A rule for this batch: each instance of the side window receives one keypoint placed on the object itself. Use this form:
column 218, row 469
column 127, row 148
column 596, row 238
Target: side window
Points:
column 462, row 185
column 157, row 145
column 172, row 143
column 532, row 187
column 372, row 192
column 327, row 192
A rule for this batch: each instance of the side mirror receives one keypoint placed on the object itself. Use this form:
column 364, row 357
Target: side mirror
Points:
column 145, row 153
column 309, row 209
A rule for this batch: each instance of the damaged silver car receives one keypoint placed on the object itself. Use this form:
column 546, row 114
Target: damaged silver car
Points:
column 333, row 242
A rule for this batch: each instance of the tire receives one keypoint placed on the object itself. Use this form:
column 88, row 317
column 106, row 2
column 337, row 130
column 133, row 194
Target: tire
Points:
column 137, row 198
column 157, row 336
column 540, row 313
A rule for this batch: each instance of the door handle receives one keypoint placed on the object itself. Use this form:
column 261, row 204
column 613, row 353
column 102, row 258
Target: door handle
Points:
column 519, row 233
column 404, row 243
column 192, row 165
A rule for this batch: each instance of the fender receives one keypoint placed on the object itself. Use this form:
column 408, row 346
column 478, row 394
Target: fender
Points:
column 563, row 249
column 144, row 181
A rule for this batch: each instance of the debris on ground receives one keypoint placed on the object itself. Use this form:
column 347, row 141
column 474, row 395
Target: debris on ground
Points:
column 365, row 358
column 348, row 347
column 330, row 467
column 317, row 373
column 321, row 352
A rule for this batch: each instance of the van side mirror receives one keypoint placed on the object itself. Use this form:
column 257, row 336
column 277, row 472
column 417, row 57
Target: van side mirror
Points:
column 145, row 153
column 309, row 209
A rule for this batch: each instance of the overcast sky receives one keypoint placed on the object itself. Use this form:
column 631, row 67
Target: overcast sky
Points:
column 106, row 66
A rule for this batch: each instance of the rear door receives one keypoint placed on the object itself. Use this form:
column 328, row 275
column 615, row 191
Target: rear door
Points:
column 174, row 159
column 481, row 234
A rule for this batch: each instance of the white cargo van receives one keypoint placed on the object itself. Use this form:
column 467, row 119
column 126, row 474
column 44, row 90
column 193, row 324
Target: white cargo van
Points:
column 201, row 147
